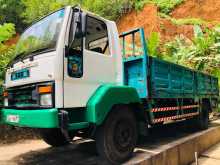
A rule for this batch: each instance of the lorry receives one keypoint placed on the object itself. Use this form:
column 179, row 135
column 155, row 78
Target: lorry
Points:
column 73, row 75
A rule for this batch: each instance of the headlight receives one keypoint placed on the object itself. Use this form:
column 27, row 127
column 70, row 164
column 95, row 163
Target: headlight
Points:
column 46, row 100
column 45, row 93
column 5, row 101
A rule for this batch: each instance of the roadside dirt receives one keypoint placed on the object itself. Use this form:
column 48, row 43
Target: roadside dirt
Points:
column 10, row 134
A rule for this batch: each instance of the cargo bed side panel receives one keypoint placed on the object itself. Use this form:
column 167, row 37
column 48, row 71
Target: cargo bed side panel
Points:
column 170, row 80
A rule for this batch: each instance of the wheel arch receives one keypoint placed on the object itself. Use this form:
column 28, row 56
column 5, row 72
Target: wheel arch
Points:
column 108, row 96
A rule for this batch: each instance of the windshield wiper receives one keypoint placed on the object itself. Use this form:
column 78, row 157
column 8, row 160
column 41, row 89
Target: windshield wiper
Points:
column 40, row 50
column 20, row 55
column 23, row 55
column 34, row 52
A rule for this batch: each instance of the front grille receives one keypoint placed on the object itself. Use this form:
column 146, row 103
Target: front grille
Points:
column 23, row 97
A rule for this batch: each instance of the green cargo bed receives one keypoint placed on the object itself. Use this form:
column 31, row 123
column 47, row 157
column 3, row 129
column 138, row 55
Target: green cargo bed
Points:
column 155, row 78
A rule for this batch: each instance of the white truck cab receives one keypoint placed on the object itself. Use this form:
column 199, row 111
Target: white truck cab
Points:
column 53, row 50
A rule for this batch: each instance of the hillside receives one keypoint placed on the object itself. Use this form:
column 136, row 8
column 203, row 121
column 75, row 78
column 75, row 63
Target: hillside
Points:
column 208, row 10
column 150, row 18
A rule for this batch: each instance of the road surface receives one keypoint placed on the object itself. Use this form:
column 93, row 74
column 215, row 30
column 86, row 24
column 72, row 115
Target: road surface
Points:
column 83, row 152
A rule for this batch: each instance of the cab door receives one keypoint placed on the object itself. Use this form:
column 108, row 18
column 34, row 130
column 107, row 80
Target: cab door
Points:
column 89, row 63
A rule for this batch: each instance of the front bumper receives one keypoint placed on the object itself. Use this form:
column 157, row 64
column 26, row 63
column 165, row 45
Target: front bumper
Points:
column 43, row 118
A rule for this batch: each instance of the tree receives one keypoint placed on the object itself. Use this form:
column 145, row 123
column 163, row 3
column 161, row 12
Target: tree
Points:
column 35, row 9
column 108, row 9
column 6, row 51
column 10, row 12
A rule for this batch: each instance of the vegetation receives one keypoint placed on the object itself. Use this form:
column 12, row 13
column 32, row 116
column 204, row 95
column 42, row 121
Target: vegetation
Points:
column 165, row 6
column 184, row 21
column 7, row 30
column 10, row 12
column 153, row 44
column 201, row 53
column 35, row 9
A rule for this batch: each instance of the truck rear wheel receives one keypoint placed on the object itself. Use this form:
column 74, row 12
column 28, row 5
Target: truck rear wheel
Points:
column 54, row 137
column 116, row 138
column 202, row 120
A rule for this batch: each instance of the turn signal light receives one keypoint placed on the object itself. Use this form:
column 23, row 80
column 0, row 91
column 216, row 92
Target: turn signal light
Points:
column 45, row 89
column 5, row 94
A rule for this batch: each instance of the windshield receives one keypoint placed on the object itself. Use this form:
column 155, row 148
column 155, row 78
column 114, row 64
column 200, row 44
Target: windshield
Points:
column 42, row 35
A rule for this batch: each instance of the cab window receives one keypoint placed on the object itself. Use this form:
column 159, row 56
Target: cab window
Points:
column 96, row 36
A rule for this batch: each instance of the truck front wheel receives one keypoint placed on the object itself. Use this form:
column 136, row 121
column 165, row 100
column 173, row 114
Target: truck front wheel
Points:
column 54, row 137
column 116, row 138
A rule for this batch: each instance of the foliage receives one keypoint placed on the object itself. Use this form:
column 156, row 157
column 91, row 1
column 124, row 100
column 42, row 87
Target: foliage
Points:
column 10, row 11
column 184, row 21
column 165, row 6
column 7, row 30
column 6, row 51
column 178, row 51
column 35, row 9
column 201, row 53
column 139, row 4
column 153, row 43
column 108, row 9
column 6, row 55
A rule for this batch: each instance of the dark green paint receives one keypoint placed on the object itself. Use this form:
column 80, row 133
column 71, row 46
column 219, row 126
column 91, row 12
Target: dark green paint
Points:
column 76, row 126
column 105, row 98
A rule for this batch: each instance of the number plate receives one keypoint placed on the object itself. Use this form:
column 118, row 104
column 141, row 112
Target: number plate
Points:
column 13, row 118
column 20, row 74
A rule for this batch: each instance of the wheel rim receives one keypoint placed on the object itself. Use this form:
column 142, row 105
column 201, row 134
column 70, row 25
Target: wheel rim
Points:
column 124, row 136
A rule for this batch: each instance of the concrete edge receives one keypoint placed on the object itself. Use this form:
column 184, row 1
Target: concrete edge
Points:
column 180, row 152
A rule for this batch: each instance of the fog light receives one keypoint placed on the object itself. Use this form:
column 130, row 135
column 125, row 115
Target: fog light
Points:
column 46, row 100
column 6, row 102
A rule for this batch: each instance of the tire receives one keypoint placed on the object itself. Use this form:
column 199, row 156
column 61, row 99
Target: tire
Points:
column 203, row 119
column 201, row 122
column 116, row 138
column 54, row 137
